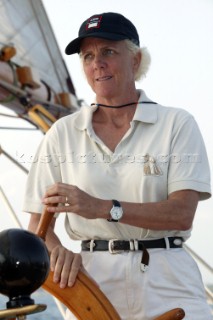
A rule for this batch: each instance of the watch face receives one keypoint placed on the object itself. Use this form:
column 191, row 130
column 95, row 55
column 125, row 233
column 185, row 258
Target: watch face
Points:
column 116, row 213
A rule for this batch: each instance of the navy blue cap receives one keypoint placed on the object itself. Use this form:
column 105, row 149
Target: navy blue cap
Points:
column 108, row 25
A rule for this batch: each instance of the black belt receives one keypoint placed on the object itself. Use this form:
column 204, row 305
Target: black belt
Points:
column 116, row 246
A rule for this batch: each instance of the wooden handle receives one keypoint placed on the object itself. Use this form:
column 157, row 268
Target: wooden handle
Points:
column 44, row 223
column 174, row 314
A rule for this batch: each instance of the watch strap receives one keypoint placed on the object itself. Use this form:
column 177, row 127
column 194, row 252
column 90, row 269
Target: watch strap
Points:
column 116, row 203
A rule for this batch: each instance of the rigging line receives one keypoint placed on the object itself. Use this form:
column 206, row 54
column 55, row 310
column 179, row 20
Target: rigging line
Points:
column 17, row 128
column 201, row 260
column 209, row 293
column 20, row 116
column 45, row 39
column 24, row 93
column 13, row 160
column 48, row 103
column 10, row 209
column 8, row 115
column 13, row 89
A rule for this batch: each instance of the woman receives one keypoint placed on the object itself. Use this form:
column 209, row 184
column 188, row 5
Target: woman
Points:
column 124, row 168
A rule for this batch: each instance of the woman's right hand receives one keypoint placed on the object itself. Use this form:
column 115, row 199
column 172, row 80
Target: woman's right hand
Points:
column 65, row 265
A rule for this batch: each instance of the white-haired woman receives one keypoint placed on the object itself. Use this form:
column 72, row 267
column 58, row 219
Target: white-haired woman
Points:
column 132, row 170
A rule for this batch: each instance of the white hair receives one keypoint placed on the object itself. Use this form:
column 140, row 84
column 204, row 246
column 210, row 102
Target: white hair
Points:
column 145, row 60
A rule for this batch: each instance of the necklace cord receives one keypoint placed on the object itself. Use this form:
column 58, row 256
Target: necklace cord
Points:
column 121, row 106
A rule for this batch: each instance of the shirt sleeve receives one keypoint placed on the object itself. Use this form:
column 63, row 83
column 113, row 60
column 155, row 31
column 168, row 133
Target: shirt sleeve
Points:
column 188, row 167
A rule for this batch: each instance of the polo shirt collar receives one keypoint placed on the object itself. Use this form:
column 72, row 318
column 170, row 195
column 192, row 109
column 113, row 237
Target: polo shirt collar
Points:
column 84, row 117
column 144, row 112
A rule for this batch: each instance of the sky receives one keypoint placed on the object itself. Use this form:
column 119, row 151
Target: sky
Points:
column 178, row 35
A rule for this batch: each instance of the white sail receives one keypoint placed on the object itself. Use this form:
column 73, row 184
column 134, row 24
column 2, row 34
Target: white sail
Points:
column 25, row 28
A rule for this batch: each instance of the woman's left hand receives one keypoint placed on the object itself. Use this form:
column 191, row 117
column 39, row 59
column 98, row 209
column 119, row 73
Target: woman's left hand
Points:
column 62, row 197
column 65, row 265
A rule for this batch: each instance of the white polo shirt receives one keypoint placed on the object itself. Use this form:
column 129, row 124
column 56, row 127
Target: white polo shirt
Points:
column 162, row 152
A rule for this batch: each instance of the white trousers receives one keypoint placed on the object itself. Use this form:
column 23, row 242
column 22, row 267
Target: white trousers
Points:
column 172, row 281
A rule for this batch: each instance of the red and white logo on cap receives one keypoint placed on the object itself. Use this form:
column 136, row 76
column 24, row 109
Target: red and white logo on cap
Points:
column 94, row 22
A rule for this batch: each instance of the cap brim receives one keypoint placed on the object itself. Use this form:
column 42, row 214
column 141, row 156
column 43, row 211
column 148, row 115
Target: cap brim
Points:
column 74, row 46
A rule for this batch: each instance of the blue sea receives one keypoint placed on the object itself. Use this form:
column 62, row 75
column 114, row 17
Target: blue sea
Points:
column 40, row 297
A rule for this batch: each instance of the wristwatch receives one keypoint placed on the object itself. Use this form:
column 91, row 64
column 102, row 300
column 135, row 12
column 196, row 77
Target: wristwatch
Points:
column 116, row 212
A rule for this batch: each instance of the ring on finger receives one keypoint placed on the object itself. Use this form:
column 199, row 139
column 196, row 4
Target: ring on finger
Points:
column 66, row 202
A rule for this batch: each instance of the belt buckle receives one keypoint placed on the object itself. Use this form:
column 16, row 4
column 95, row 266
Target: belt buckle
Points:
column 111, row 249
